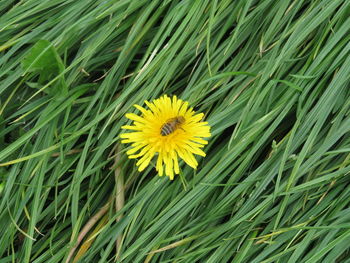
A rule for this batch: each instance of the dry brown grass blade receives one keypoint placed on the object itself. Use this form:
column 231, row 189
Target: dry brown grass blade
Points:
column 119, row 197
column 92, row 221
column 87, row 244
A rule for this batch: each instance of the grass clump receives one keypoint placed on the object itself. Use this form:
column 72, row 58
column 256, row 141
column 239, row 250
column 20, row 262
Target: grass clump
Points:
column 272, row 78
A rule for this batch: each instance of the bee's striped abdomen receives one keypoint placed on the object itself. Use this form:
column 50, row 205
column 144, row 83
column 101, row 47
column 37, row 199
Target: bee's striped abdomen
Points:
column 167, row 128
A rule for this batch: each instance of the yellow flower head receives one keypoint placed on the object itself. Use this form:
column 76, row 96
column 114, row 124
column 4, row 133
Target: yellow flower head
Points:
column 170, row 129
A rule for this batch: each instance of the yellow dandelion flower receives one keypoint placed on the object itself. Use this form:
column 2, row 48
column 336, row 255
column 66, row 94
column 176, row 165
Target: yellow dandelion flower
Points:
column 169, row 129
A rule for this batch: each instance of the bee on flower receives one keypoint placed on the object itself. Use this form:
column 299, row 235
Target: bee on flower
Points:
column 168, row 128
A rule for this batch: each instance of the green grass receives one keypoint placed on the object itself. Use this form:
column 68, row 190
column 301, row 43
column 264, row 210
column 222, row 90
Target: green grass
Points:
column 272, row 78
